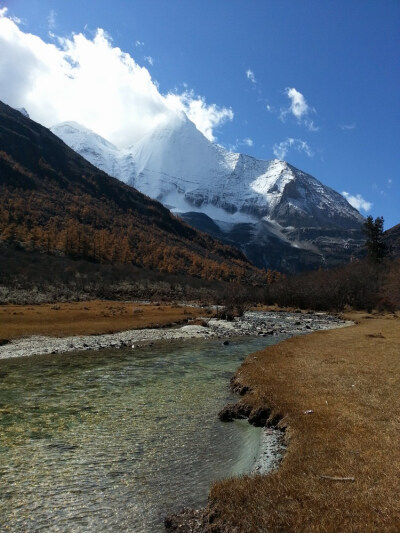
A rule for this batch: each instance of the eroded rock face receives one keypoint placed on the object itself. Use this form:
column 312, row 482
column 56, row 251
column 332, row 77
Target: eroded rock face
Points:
column 259, row 417
column 234, row 411
column 289, row 249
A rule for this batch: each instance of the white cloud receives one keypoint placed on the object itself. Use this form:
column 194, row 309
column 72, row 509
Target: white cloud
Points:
column 299, row 109
column 3, row 12
column 51, row 19
column 280, row 150
column 298, row 106
column 149, row 60
column 91, row 82
column 206, row 116
column 310, row 125
column 139, row 43
column 357, row 201
column 232, row 147
column 345, row 127
column 239, row 143
column 250, row 76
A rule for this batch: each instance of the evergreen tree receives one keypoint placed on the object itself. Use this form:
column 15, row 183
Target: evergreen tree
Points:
column 373, row 230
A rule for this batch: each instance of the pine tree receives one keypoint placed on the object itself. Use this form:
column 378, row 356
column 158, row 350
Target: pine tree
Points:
column 373, row 230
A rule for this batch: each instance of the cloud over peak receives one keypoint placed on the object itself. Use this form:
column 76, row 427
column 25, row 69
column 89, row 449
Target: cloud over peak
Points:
column 207, row 117
column 281, row 150
column 357, row 201
column 250, row 76
column 92, row 82
column 299, row 108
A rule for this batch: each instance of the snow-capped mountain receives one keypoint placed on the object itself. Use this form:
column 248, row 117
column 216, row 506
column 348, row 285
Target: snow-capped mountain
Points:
column 274, row 212
column 101, row 153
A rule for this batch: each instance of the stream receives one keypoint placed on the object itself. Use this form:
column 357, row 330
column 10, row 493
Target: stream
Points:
column 114, row 440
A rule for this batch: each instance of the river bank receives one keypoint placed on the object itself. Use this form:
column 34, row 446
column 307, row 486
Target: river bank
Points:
column 93, row 317
column 336, row 394
column 260, row 323
column 265, row 323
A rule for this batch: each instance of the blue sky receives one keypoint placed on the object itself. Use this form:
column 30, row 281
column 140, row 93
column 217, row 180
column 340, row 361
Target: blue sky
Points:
column 313, row 82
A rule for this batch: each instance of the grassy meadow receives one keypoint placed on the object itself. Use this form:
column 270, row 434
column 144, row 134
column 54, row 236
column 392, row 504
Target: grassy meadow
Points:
column 338, row 395
column 88, row 318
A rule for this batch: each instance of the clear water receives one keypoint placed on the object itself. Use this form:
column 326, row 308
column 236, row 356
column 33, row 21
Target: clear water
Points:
column 116, row 440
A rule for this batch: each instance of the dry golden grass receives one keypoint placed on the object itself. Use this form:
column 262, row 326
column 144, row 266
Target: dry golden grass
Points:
column 350, row 379
column 87, row 318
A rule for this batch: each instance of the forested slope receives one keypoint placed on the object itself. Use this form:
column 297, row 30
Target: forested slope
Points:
column 54, row 201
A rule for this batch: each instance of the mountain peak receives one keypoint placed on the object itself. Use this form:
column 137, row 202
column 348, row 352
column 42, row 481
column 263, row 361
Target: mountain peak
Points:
column 176, row 148
column 100, row 152
column 58, row 201
column 175, row 119
column 74, row 131
column 173, row 124
column 177, row 165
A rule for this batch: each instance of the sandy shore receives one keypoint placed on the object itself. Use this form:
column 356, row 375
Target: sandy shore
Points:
column 252, row 323
column 270, row 454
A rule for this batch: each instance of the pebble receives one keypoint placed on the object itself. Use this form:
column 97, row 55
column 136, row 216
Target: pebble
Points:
column 251, row 323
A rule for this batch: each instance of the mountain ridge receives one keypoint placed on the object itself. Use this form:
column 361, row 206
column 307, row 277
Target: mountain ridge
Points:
column 176, row 150
column 294, row 222
column 54, row 200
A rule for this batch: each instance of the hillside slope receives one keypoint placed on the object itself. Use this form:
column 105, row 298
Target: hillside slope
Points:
column 392, row 240
column 53, row 200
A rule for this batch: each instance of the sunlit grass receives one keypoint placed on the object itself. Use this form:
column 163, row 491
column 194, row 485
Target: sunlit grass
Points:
column 87, row 318
column 350, row 379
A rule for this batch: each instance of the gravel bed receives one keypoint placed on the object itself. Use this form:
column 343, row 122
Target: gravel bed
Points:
column 251, row 323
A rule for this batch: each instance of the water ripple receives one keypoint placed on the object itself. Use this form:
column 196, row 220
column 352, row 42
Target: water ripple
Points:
column 114, row 440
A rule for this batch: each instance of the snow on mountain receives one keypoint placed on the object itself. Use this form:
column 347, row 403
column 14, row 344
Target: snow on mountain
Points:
column 100, row 152
column 175, row 164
